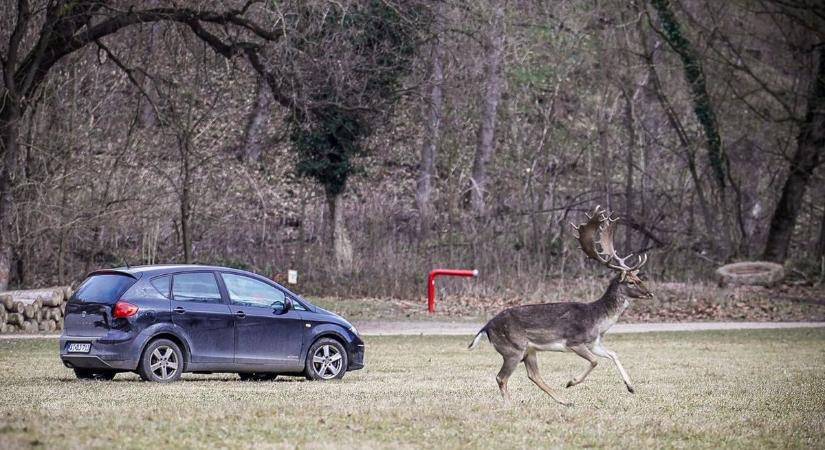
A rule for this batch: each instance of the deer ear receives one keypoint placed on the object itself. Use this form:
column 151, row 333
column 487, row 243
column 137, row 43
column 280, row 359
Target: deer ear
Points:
column 623, row 276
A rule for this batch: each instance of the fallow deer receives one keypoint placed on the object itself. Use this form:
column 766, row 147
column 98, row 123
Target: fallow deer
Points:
column 520, row 332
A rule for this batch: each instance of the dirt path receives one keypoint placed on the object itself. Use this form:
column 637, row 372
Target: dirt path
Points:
column 416, row 327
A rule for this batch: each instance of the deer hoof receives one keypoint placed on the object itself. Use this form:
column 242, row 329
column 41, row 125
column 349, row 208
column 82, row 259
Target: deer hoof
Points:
column 631, row 390
column 570, row 383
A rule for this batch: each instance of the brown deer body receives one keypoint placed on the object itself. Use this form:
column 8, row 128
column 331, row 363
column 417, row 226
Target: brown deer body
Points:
column 519, row 333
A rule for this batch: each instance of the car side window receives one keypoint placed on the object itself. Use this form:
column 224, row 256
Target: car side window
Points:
column 196, row 287
column 162, row 284
column 297, row 306
column 250, row 292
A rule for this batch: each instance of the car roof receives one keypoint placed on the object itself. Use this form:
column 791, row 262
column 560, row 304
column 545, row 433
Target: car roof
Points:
column 157, row 269
column 162, row 269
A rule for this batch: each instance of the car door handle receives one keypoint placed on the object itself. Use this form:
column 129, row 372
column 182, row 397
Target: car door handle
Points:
column 240, row 314
column 179, row 310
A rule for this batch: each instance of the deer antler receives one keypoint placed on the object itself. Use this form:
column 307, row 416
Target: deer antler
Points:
column 588, row 231
column 599, row 222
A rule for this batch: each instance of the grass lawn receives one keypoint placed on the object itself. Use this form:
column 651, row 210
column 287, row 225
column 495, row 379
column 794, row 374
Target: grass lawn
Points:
column 738, row 389
column 357, row 309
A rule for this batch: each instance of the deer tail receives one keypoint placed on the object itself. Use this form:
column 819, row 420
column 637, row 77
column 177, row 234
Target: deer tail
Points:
column 478, row 338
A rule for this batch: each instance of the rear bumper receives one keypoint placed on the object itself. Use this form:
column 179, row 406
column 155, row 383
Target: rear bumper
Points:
column 94, row 362
column 107, row 355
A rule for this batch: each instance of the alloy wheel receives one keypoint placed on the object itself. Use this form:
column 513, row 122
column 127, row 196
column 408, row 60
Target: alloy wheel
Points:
column 327, row 362
column 163, row 362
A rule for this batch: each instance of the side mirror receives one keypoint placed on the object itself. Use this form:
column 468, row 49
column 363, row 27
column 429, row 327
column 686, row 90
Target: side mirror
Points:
column 287, row 305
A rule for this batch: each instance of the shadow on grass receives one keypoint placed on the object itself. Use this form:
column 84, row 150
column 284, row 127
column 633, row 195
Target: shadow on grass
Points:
column 280, row 379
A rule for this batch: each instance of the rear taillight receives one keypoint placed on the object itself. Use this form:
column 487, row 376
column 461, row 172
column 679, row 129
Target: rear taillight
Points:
column 124, row 309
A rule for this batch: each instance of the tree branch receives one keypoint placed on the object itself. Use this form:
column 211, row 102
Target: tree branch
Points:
column 129, row 73
column 23, row 15
column 52, row 47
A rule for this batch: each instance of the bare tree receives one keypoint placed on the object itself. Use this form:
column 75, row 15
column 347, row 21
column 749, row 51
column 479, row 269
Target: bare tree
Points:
column 808, row 155
column 820, row 244
column 254, row 132
column 432, row 119
column 148, row 96
column 43, row 35
column 650, row 50
column 346, row 64
column 494, row 84
column 697, row 82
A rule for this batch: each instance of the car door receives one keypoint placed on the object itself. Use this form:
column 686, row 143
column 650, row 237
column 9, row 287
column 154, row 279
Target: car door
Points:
column 200, row 310
column 265, row 334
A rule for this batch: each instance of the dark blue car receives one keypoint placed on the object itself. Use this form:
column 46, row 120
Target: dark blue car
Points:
column 162, row 321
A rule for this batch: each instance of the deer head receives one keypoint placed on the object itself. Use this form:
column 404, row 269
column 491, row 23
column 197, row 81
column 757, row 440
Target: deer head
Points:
column 596, row 239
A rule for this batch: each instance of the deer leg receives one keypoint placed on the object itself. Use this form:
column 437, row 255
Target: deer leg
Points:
column 585, row 353
column 532, row 364
column 605, row 353
column 510, row 364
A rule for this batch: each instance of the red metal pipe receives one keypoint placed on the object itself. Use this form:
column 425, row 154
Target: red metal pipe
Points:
column 448, row 272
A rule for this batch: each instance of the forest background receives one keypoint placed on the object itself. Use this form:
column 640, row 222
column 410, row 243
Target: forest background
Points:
column 365, row 142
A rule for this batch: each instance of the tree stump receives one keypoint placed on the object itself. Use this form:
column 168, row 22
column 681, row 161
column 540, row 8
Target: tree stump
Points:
column 750, row 273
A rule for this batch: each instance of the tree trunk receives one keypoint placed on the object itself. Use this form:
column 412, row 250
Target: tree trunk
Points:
column 62, row 231
column 301, row 249
column 605, row 158
column 810, row 143
column 489, row 107
column 9, row 131
column 820, row 245
column 186, row 202
column 628, row 187
column 651, row 117
column 424, row 187
column 337, row 237
column 149, row 98
column 256, row 124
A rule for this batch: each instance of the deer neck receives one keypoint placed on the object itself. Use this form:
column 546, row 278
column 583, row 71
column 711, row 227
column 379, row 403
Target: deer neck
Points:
column 612, row 304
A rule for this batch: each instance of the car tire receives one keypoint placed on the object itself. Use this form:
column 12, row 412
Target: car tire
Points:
column 162, row 362
column 326, row 360
column 91, row 374
column 257, row 376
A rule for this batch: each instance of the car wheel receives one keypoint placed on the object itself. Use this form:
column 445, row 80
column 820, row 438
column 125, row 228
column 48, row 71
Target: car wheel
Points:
column 326, row 360
column 257, row 376
column 162, row 361
column 89, row 374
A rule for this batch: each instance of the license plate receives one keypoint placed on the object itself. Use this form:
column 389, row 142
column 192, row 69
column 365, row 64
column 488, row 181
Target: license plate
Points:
column 79, row 348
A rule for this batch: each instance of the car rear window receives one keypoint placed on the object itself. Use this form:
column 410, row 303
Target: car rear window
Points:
column 103, row 288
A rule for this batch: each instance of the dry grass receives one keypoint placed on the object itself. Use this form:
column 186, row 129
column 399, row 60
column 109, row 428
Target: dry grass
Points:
column 743, row 389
